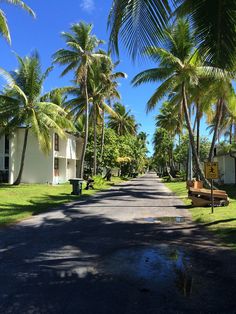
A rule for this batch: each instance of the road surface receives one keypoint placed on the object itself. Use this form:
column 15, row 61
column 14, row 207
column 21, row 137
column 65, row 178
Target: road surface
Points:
column 132, row 249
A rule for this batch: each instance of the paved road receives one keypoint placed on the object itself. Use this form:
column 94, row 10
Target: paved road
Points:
column 132, row 249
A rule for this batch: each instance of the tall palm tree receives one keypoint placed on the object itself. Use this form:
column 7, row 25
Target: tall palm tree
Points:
column 179, row 68
column 78, row 57
column 140, row 23
column 201, row 97
column 76, row 105
column 110, row 83
column 99, row 90
column 123, row 122
column 21, row 104
column 4, row 29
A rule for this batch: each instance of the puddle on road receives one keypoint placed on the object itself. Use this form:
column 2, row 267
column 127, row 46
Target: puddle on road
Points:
column 164, row 219
column 151, row 269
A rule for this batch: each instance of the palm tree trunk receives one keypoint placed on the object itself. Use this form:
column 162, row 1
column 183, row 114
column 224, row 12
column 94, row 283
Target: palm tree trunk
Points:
column 231, row 133
column 198, row 121
column 18, row 179
column 95, row 142
column 86, row 128
column 198, row 129
column 103, row 134
column 191, row 138
column 216, row 129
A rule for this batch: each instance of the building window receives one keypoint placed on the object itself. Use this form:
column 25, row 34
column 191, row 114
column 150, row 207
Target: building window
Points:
column 6, row 163
column 56, row 167
column 56, row 142
column 6, row 144
column 56, row 163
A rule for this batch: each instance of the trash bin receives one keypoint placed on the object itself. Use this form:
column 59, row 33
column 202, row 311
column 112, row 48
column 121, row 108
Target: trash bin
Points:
column 76, row 186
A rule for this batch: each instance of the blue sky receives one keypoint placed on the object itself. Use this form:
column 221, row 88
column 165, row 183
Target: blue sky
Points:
column 43, row 34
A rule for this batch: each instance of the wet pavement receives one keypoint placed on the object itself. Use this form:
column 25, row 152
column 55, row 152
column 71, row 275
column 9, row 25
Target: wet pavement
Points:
column 132, row 249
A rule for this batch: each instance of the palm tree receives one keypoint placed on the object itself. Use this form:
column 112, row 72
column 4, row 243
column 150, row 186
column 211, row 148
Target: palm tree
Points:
column 170, row 118
column 123, row 122
column 140, row 23
column 109, row 81
column 76, row 105
column 104, row 85
column 78, row 57
column 179, row 68
column 21, row 104
column 4, row 29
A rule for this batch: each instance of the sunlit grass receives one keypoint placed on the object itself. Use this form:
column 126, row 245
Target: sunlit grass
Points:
column 222, row 222
column 20, row 202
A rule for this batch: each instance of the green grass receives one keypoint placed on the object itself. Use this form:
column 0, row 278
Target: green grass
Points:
column 20, row 202
column 222, row 222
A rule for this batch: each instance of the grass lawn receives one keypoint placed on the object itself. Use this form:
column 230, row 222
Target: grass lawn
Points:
column 222, row 222
column 20, row 202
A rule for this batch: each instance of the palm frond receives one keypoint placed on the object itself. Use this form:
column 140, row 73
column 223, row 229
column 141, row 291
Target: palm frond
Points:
column 160, row 92
column 139, row 23
column 4, row 30
column 22, row 5
column 151, row 75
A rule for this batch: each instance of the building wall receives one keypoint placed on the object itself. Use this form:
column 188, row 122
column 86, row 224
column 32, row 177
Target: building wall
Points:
column 38, row 166
column 226, row 168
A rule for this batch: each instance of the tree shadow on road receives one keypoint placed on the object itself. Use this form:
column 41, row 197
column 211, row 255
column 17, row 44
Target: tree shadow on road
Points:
column 52, row 266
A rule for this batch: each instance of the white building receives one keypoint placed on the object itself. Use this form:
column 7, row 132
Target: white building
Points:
column 56, row 167
column 227, row 168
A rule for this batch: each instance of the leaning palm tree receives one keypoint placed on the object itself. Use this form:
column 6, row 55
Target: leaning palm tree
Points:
column 123, row 122
column 78, row 58
column 179, row 68
column 21, row 104
column 140, row 23
column 4, row 29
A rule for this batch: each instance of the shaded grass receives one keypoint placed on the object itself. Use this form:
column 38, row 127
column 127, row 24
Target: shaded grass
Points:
column 222, row 222
column 20, row 202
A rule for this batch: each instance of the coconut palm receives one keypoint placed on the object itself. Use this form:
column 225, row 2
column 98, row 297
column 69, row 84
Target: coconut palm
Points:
column 179, row 69
column 104, row 86
column 4, row 29
column 21, row 104
column 78, row 57
column 140, row 23
column 123, row 122
column 169, row 118
column 76, row 105
column 99, row 89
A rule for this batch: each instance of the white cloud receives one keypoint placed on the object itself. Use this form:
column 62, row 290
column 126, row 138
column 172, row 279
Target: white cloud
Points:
column 87, row 5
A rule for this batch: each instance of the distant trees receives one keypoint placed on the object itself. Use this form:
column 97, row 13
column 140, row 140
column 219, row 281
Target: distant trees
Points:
column 127, row 152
